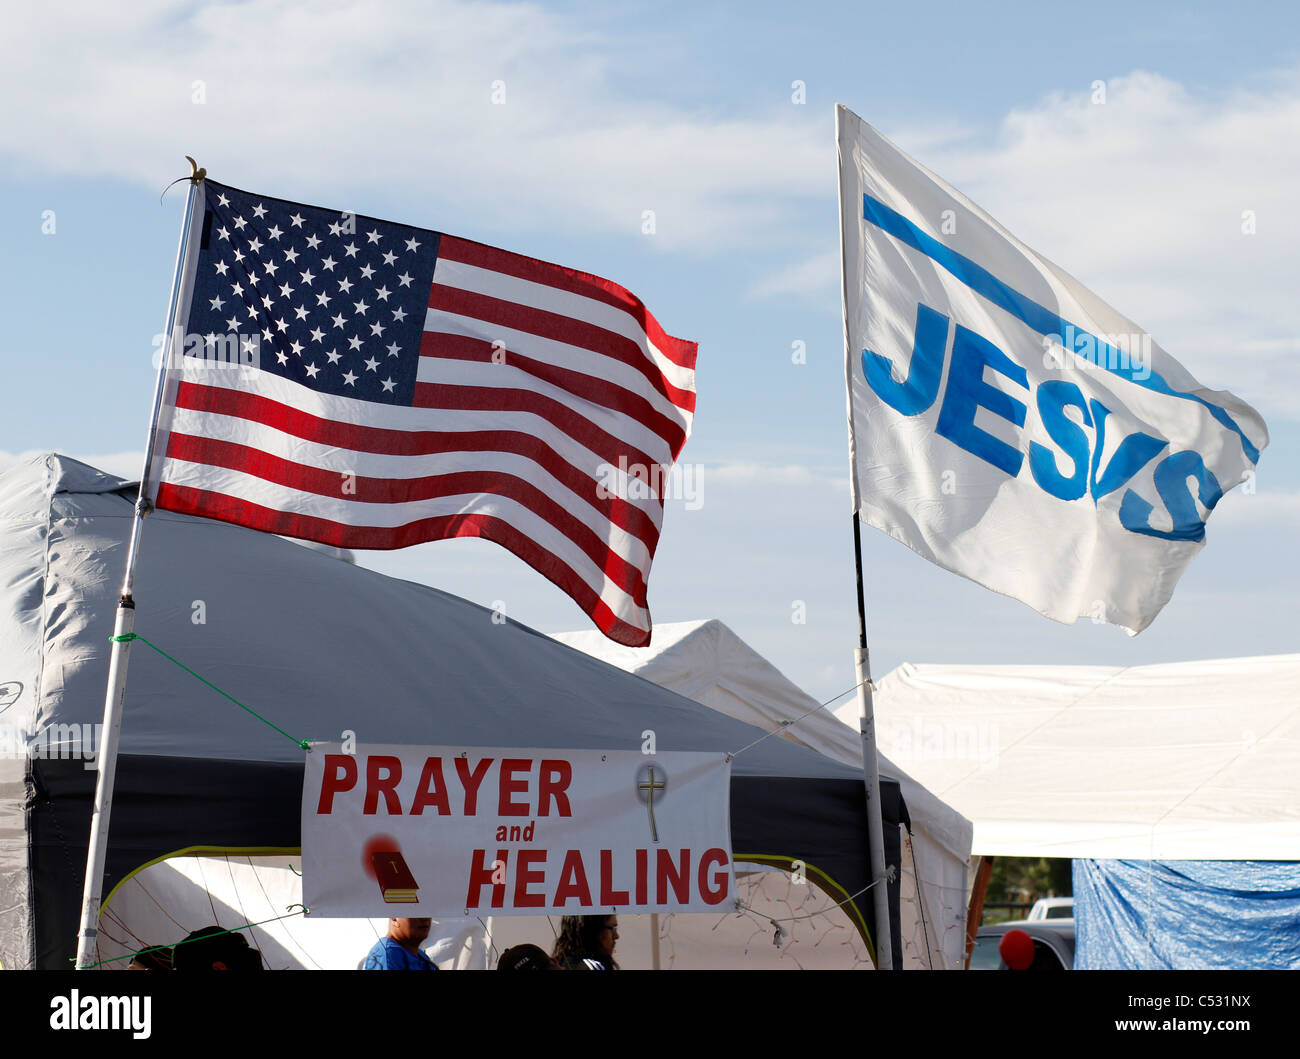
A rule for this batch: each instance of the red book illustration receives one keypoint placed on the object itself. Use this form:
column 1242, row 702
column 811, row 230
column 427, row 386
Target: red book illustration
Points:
column 396, row 882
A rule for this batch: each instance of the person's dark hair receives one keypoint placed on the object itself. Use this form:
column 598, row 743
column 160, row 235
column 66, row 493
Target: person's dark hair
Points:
column 580, row 940
column 208, row 945
column 525, row 958
column 155, row 960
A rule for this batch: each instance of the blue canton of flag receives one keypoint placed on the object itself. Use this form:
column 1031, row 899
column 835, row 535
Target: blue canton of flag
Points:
column 330, row 300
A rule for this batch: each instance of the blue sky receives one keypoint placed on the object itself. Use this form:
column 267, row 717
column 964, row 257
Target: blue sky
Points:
column 687, row 110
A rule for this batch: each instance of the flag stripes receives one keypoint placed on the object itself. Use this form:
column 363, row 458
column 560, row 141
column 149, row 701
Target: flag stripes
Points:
column 531, row 405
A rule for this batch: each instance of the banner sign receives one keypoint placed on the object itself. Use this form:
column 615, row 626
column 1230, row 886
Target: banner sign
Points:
column 455, row 831
column 1005, row 422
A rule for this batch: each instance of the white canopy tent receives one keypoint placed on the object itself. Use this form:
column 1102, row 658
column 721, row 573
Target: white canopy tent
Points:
column 706, row 661
column 1182, row 761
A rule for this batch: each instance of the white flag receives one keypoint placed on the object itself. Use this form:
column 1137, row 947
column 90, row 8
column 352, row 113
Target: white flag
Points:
column 1004, row 422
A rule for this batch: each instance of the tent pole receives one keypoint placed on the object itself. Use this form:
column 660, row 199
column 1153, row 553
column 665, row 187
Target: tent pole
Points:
column 975, row 911
column 871, row 774
column 123, row 626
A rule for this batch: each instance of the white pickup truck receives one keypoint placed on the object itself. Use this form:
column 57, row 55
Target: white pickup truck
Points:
column 1052, row 908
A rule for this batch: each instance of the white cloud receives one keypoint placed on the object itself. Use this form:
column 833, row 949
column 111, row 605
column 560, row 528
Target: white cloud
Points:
column 1143, row 199
column 373, row 96
column 816, row 277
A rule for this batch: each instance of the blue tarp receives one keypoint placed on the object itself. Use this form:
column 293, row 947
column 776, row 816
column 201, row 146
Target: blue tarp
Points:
column 1187, row 914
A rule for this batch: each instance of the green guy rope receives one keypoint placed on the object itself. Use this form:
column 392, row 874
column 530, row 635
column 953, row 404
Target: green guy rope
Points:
column 302, row 743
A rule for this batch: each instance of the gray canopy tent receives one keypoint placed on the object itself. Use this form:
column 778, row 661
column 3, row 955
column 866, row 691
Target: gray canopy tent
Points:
column 319, row 647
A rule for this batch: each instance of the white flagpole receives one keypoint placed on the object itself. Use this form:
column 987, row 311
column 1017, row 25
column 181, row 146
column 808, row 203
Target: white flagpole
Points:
column 862, row 668
column 96, row 853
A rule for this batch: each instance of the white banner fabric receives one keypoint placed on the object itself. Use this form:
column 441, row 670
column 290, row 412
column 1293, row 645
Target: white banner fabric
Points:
column 1004, row 422
column 442, row 831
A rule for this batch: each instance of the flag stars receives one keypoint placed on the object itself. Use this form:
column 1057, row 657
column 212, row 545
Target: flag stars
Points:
column 382, row 293
column 239, row 223
column 350, row 379
column 259, row 211
column 271, row 268
column 393, row 350
column 339, row 321
column 237, row 290
column 377, row 329
column 221, row 267
column 389, row 257
column 404, row 279
column 255, row 245
column 266, row 301
column 322, row 298
column 223, row 233
column 223, row 200
column 232, row 324
column 281, row 356
column 237, row 254
column 333, row 356
column 399, row 314
column 290, row 256
column 282, row 325
column 354, row 342
column 373, row 235
column 266, row 337
column 367, row 271
column 285, row 290
column 329, row 263
column 297, row 348
column 412, row 245
column 317, row 334
column 217, row 303
column 345, row 285
column 275, row 232
column 312, row 242
column 300, row 312
column 296, row 220
column 372, row 364
column 350, row 250
column 389, row 386
column 335, row 228
column 361, row 307
column 312, row 370
column 307, row 277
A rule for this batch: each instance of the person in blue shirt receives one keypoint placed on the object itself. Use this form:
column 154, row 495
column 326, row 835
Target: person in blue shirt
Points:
column 400, row 950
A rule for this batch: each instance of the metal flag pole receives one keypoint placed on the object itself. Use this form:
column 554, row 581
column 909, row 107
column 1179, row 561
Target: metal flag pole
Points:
column 862, row 661
column 97, row 851
column 871, row 774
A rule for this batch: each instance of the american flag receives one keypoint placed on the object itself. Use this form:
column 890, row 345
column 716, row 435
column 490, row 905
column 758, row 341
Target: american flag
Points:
column 371, row 385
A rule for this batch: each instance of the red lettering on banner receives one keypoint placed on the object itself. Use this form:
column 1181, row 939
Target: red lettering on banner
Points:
column 471, row 780
column 385, row 784
column 676, row 876
column 509, row 785
column 553, row 781
column 480, row 875
column 641, row 872
column 712, row 895
column 340, row 775
column 608, row 895
column 573, row 870
column 524, row 875
column 432, row 789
